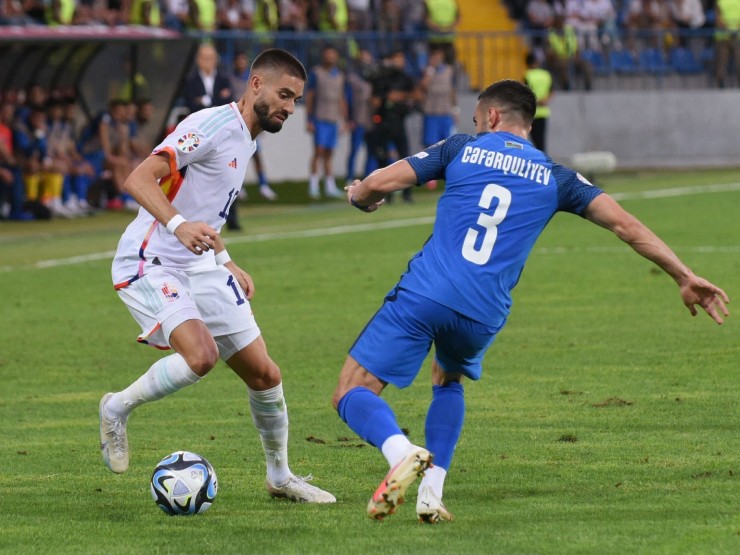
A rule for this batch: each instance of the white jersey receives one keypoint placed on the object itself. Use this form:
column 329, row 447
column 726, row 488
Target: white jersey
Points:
column 208, row 153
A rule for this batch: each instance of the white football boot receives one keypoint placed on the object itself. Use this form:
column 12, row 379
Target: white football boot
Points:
column 299, row 490
column 392, row 489
column 430, row 508
column 113, row 439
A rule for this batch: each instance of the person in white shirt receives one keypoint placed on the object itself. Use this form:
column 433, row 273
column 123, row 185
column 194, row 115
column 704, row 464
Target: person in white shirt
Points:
column 183, row 295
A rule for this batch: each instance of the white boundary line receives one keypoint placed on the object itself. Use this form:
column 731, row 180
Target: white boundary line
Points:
column 410, row 222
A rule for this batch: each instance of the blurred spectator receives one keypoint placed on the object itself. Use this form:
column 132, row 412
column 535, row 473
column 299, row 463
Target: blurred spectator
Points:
column 653, row 16
column 564, row 56
column 42, row 179
column 326, row 109
column 116, row 12
column 235, row 15
column 60, row 12
column 393, row 98
column 12, row 13
column 266, row 17
column 688, row 16
column 207, row 86
column 293, row 15
column 442, row 19
column 359, row 16
column 359, row 107
column 115, row 138
column 202, row 15
column 727, row 41
column 388, row 22
column 35, row 11
column 66, row 160
column 591, row 20
column 176, row 14
column 333, row 16
column 439, row 101
column 12, row 193
column 540, row 81
column 145, row 12
column 539, row 18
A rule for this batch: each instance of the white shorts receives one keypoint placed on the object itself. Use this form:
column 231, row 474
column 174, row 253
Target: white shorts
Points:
column 164, row 298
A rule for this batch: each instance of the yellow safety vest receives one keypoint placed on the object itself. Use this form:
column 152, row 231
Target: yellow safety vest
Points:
column 540, row 81
column 565, row 44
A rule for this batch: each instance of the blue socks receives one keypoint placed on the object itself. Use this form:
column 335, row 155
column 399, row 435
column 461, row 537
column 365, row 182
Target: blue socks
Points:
column 444, row 422
column 368, row 415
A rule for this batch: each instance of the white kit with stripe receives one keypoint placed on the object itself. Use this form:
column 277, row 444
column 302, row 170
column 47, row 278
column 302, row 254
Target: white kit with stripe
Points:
column 208, row 154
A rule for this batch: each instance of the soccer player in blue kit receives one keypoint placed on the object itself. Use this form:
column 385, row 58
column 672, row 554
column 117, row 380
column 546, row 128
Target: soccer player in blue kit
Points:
column 500, row 194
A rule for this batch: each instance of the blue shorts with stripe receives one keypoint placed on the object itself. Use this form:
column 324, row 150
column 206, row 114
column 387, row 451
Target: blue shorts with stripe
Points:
column 395, row 342
column 325, row 134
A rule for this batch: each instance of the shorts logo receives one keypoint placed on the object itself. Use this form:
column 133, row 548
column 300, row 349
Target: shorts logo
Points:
column 170, row 294
column 188, row 142
column 232, row 164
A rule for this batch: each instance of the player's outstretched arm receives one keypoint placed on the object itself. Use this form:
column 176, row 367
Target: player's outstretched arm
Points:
column 368, row 194
column 695, row 290
column 143, row 185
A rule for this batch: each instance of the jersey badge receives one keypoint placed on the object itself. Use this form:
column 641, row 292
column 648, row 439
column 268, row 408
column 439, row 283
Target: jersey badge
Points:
column 584, row 180
column 232, row 164
column 188, row 142
column 421, row 154
column 512, row 144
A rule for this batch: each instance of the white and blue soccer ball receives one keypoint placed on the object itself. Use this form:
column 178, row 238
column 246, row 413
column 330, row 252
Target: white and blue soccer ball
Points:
column 184, row 483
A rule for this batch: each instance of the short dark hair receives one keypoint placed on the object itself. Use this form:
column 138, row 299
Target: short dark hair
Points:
column 511, row 96
column 281, row 60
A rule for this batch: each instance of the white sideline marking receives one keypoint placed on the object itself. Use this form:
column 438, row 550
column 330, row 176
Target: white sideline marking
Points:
column 392, row 224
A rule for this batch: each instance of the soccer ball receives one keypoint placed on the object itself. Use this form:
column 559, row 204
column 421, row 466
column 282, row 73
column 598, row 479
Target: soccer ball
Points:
column 184, row 484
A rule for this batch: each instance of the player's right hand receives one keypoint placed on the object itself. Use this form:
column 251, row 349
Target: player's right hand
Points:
column 198, row 237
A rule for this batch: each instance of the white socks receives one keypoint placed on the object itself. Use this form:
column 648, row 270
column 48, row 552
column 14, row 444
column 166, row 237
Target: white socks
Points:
column 166, row 376
column 313, row 185
column 434, row 477
column 270, row 417
column 395, row 448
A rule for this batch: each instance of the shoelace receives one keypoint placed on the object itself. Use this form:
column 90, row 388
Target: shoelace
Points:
column 118, row 429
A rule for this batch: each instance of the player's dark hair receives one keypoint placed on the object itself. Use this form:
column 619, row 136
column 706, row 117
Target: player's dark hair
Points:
column 279, row 60
column 511, row 96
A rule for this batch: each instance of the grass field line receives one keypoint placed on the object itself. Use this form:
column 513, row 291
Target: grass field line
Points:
column 409, row 222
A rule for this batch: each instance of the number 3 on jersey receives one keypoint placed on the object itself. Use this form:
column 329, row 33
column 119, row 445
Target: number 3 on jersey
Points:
column 489, row 222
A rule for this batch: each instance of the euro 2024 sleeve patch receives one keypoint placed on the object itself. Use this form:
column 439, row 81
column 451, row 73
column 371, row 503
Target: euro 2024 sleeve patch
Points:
column 188, row 142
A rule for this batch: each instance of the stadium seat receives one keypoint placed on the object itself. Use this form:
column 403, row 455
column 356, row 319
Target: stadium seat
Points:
column 653, row 61
column 622, row 61
column 684, row 62
column 597, row 61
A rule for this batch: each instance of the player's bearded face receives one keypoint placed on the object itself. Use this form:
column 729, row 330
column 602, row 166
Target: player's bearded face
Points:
column 268, row 121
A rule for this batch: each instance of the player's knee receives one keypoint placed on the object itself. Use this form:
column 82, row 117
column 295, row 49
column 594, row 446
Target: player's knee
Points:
column 202, row 360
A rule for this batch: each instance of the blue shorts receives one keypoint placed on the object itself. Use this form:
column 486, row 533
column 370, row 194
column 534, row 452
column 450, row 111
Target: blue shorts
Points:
column 395, row 342
column 325, row 134
column 436, row 128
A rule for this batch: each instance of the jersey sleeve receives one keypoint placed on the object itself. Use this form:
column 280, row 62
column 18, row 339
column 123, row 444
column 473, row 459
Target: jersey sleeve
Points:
column 575, row 192
column 432, row 162
column 188, row 143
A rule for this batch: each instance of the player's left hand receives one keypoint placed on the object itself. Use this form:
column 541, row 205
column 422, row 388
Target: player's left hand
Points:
column 244, row 279
column 350, row 198
column 698, row 291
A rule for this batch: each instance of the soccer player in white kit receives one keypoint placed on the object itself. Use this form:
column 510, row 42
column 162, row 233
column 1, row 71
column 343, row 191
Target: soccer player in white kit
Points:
column 173, row 273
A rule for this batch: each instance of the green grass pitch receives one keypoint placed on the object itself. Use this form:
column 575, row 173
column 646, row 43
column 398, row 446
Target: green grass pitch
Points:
column 607, row 419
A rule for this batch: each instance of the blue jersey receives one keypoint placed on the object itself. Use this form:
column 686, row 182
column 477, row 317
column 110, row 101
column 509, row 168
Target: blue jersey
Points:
column 500, row 193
